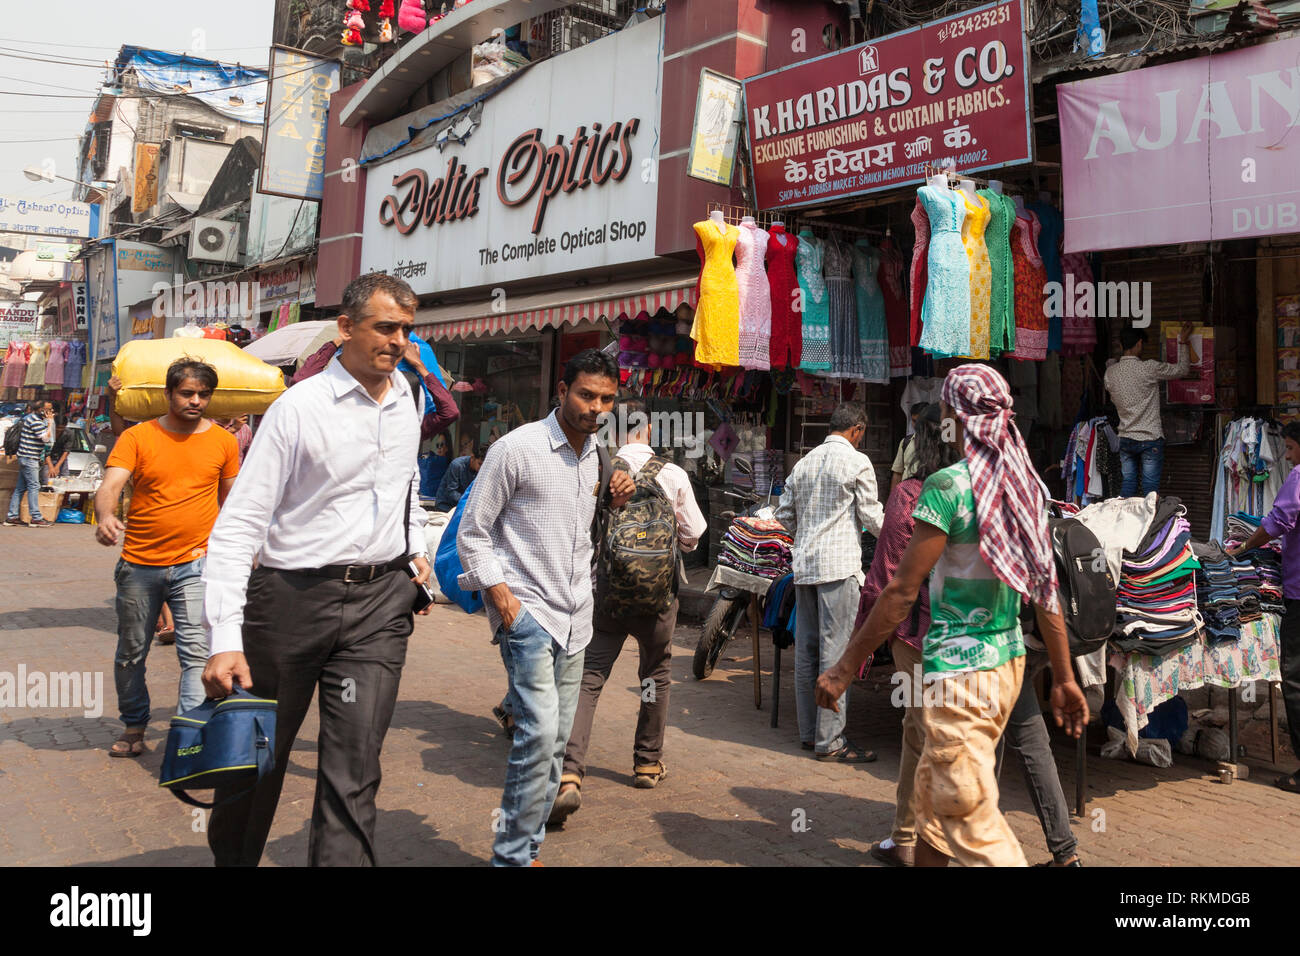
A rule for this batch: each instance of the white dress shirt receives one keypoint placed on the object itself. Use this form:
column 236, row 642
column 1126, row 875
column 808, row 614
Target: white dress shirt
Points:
column 528, row 524
column 691, row 523
column 829, row 498
column 325, row 482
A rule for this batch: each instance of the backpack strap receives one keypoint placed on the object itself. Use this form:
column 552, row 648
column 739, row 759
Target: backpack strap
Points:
column 652, row 467
column 598, row 521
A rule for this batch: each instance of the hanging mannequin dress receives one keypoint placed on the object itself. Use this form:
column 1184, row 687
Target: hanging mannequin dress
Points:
column 917, row 274
column 73, row 364
column 54, row 367
column 997, row 237
column 1051, row 228
column 1078, row 332
column 981, row 273
column 873, row 340
column 755, row 297
column 815, row 319
column 846, row 358
column 15, row 365
column 35, row 376
column 897, row 320
column 786, row 345
column 717, row 317
column 1029, row 278
column 946, row 311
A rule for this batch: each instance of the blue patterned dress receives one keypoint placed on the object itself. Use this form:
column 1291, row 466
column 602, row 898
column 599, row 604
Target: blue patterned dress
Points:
column 945, row 314
column 816, row 304
column 872, row 331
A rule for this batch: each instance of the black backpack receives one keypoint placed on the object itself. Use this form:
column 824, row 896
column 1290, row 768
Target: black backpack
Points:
column 14, row 437
column 1084, row 585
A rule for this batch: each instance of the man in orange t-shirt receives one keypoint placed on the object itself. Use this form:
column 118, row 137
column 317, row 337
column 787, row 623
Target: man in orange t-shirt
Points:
column 182, row 467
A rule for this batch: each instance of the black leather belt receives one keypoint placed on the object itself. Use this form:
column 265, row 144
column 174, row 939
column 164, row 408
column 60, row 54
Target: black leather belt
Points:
column 352, row 573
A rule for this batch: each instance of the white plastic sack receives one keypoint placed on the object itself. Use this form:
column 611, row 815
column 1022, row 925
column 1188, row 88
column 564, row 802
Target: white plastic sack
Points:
column 434, row 525
column 1157, row 753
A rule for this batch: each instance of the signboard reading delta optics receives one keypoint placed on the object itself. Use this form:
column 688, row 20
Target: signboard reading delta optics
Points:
column 559, row 177
column 871, row 117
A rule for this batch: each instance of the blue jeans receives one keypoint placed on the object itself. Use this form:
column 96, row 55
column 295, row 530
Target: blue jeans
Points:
column 29, row 477
column 544, row 685
column 822, row 630
column 1152, row 456
column 141, row 591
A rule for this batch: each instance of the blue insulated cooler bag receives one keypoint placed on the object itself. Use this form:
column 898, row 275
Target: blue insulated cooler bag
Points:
column 446, row 563
column 218, row 744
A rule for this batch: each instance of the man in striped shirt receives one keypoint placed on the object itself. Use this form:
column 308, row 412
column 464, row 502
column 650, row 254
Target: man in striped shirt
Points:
column 31, row 451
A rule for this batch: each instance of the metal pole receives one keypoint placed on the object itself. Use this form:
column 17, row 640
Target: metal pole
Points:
column 758, row 664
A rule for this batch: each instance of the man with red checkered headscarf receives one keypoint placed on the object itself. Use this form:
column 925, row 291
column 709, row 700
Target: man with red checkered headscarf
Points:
column 981, row 528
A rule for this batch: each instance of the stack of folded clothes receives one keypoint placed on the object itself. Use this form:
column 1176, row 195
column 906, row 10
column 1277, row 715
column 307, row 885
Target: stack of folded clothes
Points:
column 1217, row 594
column 1268, row 560
column 757, row 546
column 1260, row 570
column 1156, row 600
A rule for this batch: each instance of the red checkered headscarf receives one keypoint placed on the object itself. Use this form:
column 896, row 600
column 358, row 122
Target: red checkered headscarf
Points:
column 1010, row 498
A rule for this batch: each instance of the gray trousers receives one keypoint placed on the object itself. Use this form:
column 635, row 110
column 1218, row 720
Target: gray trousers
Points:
column 350, row 639
column 1027, row 735
column 824, row 623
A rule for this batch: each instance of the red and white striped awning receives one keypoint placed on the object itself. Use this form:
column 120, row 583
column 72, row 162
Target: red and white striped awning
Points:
column 558, row 308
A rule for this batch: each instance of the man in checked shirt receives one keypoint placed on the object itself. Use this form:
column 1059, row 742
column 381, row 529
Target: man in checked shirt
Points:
column 830, row 496
column 525, row 541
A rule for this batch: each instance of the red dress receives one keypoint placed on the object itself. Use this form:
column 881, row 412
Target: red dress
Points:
column 786, row 346
column 890, row 279
column 1031, row 284
column 920, row 253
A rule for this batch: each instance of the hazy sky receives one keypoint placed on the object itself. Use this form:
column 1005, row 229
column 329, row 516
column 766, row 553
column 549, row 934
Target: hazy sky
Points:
column 36, row 124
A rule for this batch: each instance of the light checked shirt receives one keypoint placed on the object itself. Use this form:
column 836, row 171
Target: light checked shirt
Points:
column 830, row 497
column 325, row 482
column 528, row 524
column 1134, row 386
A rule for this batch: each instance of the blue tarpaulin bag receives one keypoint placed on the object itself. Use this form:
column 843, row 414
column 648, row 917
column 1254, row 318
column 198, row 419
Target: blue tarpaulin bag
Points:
column 446, row 563
column 220, row 743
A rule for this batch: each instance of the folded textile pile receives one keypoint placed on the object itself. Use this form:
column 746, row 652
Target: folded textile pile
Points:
column 769, row 469
column 1156, row 600
column 757, row 546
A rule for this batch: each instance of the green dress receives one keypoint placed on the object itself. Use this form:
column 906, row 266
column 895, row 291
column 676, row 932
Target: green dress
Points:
column 1002, row 300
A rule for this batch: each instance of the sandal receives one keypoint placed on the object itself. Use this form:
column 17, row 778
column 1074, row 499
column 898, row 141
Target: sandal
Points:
column 849, row 753
column 166, row 637
column 566, row 801
column 1289, row 784
column 133, row 741
column 647, row 776
column 507, row 721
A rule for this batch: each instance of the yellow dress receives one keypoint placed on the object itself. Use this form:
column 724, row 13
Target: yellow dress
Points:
column 717, row 318
column 981, row 274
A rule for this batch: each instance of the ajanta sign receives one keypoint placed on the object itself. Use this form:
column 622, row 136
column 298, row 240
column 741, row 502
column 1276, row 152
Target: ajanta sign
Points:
column 872, row 117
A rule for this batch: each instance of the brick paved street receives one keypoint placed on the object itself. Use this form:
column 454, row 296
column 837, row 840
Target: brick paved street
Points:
column 734, row 788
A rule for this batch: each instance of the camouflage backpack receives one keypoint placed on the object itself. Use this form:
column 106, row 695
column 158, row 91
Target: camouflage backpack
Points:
column 638, row 563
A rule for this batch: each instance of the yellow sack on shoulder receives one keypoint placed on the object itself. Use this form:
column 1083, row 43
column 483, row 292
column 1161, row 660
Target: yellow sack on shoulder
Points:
column 245, row 385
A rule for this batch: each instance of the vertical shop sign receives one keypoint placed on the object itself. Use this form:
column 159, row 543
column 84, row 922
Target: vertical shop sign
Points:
column 293, row 154
column 79, row 305
column 145, row 177
column 717, row 128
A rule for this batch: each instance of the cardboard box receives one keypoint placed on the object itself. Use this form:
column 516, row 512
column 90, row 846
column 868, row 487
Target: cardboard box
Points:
column 47, row 501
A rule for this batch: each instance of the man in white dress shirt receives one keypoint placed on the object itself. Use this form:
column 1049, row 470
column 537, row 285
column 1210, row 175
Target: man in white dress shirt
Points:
column 327, row 503
column 653, row 634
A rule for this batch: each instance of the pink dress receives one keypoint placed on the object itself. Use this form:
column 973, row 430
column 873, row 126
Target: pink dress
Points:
column 15, row 365
column 54, row 367
column 1078, row 332
column 755, row 297
column 920, row 266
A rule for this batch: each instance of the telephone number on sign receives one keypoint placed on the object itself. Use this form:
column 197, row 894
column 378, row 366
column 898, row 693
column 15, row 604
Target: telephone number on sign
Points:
column 982, row 21
column 969, row 159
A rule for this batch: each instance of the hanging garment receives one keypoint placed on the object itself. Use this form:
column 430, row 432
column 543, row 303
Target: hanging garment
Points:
column 717, row 317
column 15, row 365
column 1052, row 228
column 981, row 273
column 786, row 346
column 1002, row 299
column 35, row 376
column 873, row 340
column 73, row 364
column 815, row 318
column 755, row 297
column 890, row 279
column 1072, row 389
column 1030, row 278
column 1078, row 332
column 919, row 272
column 946, row 311
column 846, row 358
column 1049, row 391
column 54, row 367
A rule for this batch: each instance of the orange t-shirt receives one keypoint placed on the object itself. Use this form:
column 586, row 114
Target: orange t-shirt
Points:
column 174, row 502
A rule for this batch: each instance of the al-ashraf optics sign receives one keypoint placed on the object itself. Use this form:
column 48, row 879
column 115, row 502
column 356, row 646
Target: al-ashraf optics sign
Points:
column 560, row 177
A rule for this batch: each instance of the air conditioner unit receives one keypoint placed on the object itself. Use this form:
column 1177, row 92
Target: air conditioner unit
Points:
column 214, row 240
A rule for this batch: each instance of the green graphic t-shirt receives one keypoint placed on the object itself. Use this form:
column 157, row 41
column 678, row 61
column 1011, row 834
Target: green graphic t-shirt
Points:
column 974, row 616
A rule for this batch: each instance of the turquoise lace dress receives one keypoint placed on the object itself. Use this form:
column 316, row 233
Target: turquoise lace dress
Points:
column 873, row 337
column 945, row 313
column 816, row 304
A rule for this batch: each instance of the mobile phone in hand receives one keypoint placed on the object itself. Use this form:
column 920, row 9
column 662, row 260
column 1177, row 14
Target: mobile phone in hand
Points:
column 424, row 596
